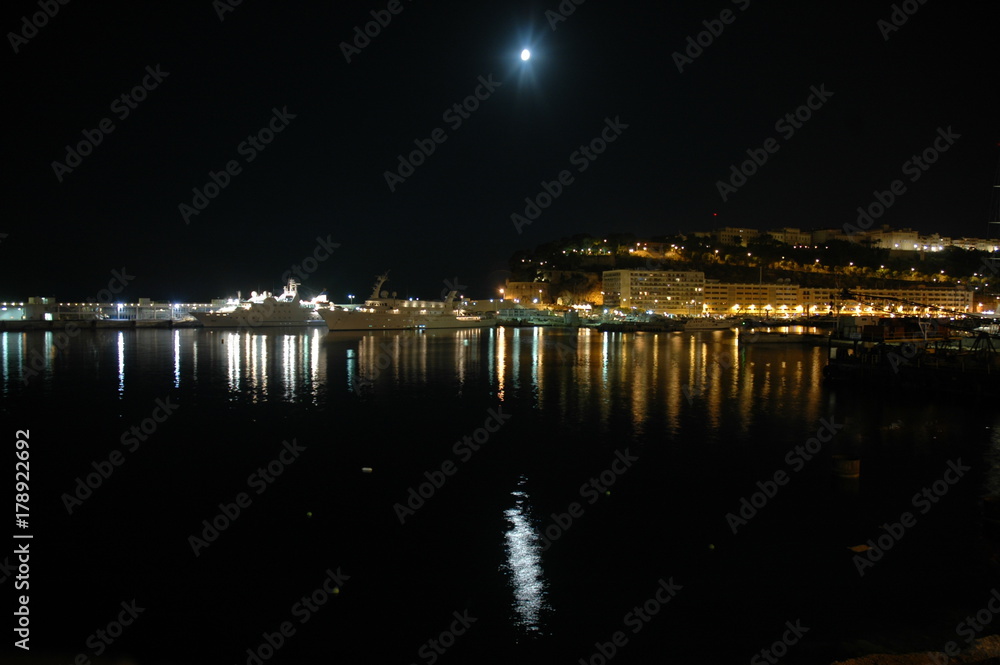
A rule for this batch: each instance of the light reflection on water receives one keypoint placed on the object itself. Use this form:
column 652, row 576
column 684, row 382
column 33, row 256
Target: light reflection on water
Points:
column 523, row 564
column 652, row 376
column 991, row 485
column 177, row 358
column 121, row 364
column 605, row 384
column 658, row 375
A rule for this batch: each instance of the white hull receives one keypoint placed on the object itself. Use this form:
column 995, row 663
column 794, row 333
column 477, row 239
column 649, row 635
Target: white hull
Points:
column 244, row 319
column 356, row 319
column 263, row 311
column 382, row 312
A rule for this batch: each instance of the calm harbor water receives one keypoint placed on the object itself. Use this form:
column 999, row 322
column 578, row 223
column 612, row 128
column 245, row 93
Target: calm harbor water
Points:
column 546, row 483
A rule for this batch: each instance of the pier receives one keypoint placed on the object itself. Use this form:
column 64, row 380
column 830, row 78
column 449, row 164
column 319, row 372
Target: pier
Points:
column 45, row 314
column 934, row 364
column 39, row 313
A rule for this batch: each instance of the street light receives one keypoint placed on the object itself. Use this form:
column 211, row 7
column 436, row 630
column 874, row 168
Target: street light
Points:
column 351, row 297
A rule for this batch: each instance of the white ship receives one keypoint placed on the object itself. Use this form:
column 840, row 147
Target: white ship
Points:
column 708, row 324
column 265, row 311
column 382, row 312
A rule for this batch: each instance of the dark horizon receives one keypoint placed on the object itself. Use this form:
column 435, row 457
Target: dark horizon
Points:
column 211, row 82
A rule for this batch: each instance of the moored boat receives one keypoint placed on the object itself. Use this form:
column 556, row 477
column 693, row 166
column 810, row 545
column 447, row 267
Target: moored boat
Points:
column 779, row 337
column 383, row 311
column 707, row 324
column 264, row 310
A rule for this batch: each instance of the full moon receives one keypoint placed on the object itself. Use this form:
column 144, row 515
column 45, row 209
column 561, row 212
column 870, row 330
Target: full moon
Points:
column 525, row 54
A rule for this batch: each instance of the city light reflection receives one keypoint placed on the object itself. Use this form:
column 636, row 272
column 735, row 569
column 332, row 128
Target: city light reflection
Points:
column 289, row 366
column 231, row 340
column 500, row 336
column 656, row 378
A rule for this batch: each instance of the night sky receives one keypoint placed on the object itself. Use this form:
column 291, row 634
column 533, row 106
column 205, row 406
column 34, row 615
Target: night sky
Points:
column 323, row 174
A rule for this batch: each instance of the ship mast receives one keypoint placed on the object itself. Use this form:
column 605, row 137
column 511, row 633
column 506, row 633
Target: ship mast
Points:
column 379, row 281
column 993, row 233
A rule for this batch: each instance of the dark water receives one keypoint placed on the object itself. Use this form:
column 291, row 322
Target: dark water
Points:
column 699, row 420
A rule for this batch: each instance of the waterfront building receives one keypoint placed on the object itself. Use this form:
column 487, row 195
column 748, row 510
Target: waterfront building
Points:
column 928, row 301
column 689, row 294
column 671, row 292
column 780, row 300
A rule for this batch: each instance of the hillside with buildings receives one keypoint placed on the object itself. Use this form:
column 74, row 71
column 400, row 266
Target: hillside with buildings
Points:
column 781, row 272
